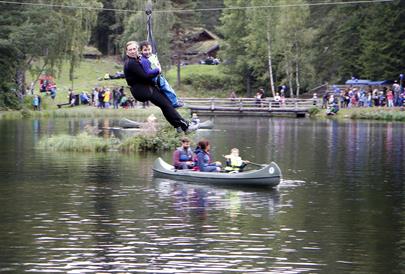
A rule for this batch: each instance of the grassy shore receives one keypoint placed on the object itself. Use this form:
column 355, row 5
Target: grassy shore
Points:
column 89, row 74
column 373, row 113
column 87, row 112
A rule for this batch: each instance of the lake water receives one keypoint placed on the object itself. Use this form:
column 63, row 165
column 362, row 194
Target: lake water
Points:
column 339, row 209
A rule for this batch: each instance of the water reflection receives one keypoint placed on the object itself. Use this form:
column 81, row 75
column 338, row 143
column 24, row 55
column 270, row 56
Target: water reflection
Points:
column 339, row 208
column 191, row 199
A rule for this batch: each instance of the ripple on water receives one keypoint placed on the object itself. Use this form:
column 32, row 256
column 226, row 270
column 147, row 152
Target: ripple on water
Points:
column 187, row 228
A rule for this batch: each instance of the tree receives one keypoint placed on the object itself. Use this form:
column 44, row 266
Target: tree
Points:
column 53, row 33
column 209, row 19
column 259, row 42
column 234, row 30
column 294, row 38
column 107, row 28
column 382, row 41
column 184, row 19
column 135, row 28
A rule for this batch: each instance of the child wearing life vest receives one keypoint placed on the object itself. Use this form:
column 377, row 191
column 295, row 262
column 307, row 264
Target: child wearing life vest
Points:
column 234, row 162
column 150, row 61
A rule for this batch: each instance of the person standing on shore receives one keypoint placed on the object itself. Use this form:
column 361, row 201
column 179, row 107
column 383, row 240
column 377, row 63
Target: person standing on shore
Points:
column 143, row 89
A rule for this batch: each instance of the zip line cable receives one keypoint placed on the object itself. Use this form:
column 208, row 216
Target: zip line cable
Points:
column 199, row 10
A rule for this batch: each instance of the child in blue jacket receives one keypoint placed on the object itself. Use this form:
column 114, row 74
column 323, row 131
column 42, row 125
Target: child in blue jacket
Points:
column 148, row 62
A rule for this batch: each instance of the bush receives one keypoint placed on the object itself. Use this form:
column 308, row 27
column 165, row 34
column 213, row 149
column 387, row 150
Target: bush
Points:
column 80, row 143
column 201, row 77
column 313, row 111
column 206, row 81
column 9, row 99
column 165, row 139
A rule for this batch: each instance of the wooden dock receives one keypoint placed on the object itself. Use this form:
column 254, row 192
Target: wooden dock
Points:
column 250, row 107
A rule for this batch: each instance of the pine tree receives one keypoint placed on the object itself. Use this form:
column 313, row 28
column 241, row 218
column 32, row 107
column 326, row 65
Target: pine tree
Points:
column 210, row 19
column 382, row 41
column 234, row 30
column 184, row 18
column 106, row 30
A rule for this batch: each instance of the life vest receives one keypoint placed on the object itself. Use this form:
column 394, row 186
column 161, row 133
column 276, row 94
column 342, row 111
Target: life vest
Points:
column 234, row 164
column 185, row 155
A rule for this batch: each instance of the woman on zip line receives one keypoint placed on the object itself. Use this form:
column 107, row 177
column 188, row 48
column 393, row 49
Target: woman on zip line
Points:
column 143, row 89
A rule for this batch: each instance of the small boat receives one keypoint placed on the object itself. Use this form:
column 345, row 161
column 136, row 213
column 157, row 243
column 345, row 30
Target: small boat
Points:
column 208, row 124
column 127, row 123
column 123, row 133
column 269, row 175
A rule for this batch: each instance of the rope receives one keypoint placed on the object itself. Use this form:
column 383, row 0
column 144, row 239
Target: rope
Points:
column 199, row 10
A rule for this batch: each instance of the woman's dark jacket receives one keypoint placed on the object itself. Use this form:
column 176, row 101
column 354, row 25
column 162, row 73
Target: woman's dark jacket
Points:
column 140, row 82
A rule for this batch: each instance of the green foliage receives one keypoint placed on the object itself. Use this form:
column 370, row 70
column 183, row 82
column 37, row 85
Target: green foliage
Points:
column 53, row 33
column 89, row 112
column 135, row 28
column 165, row 139
column 314, row 111
column 261, row 36
column 382, row 41
column 202, row 77
column 106, row 30
column 280, row 36
column 82, row 142
column 234, row 29
column 363, row 41
column 382, row 114
column 26, row 113
column 210, row 19
column 9, row 100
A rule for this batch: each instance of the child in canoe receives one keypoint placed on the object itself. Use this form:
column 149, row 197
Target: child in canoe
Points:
column 234, row 162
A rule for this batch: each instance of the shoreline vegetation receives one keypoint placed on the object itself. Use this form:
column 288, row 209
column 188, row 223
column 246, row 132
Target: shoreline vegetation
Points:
column 370, row 113
column 84, row 112
column 394, row 114
column 165, row 138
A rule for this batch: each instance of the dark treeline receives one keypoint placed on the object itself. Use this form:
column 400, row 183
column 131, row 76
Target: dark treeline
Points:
column 266, row 44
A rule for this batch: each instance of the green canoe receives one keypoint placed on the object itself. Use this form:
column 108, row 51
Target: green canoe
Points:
column 269, row 175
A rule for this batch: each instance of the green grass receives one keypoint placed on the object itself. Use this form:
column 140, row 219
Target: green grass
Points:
column 197, row 80
column 86, row 77
column 382, row 114
column 374, row 113
column 165, row 139
column 83, row 142
column 88, row 73
column 92, row 112
column 200, row 81
column 10, row 114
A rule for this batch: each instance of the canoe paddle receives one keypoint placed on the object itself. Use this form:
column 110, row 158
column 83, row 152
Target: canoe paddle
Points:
column 248, row 162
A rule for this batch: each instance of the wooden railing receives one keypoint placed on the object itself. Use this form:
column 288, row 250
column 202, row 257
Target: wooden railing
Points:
column 248, row 104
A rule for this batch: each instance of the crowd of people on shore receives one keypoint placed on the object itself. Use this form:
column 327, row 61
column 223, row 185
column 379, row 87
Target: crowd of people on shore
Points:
column 106, row 98
column 100, row 97
column 393, row 96
column 200, row 158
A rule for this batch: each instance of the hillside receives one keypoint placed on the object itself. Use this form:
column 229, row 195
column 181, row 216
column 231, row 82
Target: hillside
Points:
column 197, row 80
